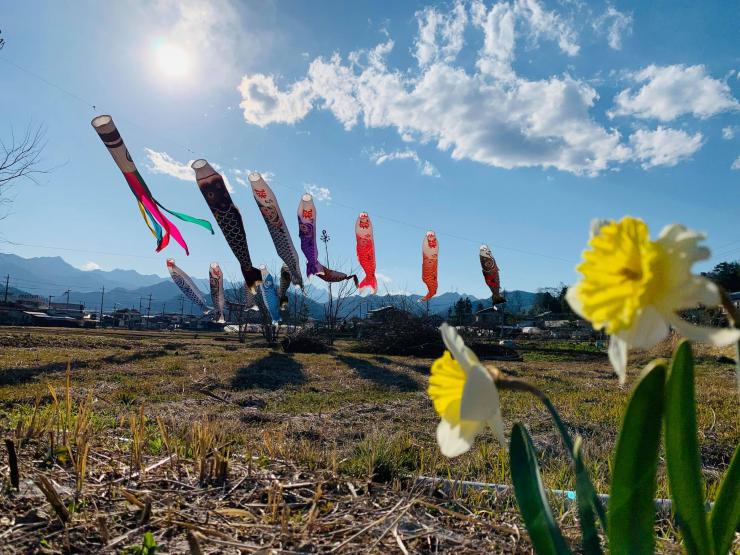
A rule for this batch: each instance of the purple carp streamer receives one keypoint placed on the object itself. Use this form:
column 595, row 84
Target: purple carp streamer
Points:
column 186, row 285
column 158, row 224
column 216, row 281
column 307, row 233
column 284, row 285
column 270, row 209
column 229, row 219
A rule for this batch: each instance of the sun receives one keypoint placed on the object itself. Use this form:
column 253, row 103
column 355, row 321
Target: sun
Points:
column 172, row 60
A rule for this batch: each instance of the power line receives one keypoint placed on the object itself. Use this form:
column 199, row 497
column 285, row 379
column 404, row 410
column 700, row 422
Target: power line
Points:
column 396, row 221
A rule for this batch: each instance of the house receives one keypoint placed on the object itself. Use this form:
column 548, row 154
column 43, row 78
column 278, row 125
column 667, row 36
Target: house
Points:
column 490, row 316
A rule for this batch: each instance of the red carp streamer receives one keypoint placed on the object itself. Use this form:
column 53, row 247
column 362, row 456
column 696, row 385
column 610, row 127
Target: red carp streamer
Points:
column 158, row 224
column 491, row 274
column 366, row 251
column 429, row 257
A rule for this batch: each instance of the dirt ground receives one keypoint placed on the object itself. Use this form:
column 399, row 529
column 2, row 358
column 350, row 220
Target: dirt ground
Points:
column 217, row 446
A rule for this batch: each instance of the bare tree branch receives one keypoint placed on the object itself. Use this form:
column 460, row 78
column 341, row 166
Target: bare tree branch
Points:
column 20, row 157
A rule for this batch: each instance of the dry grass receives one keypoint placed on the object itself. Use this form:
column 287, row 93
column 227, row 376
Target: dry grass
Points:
column 216, row 446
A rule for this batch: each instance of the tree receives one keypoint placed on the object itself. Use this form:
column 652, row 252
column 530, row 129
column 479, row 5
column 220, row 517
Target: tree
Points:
column 20, row 157
column 726, row 275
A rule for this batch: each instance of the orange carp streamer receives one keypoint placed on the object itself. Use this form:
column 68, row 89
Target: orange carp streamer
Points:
column 429, row 258
column 366, row 251
column 491, row 274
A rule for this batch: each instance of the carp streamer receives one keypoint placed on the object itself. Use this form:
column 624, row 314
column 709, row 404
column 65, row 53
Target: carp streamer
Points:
column 284, row 285
column 491, row 274
column 307, row 234
column 186, row 285
column 216, row 281
column 366, row 251
column 158, row 224
column 229, row 219
column 270, row 209
column 268, row 294
column 429, row 258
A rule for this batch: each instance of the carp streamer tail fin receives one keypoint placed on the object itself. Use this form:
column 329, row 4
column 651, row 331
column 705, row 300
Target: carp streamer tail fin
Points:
column 252, row 278
column 369, row 281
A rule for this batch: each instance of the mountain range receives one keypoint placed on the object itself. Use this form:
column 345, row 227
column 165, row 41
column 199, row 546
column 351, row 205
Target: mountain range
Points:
column 45, row 276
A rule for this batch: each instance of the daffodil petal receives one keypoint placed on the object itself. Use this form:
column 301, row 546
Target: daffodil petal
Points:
column 650, row 328
column 455, row 344
column 479, row 398
column 618, row 356
column 719, row 337
column 571, row 295
column 456, row 438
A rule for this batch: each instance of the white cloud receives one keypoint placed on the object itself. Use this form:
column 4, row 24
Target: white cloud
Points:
column 425, row 167
column 728, row 133
column 736, row 164
column 321, row 194
column 263, row 103
column 382, row 277
column 671, row 91
column 480, row 116
column 441, row 36
column 615, row 25
column 163, row 163
column 90, row 265
column 664, row 146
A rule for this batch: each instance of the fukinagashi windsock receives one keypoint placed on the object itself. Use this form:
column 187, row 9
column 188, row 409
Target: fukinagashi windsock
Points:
column 156, row 221
column 269, row 292
column 270, row 209
column 307, row 234
column 429, row 258
column 213, row 188
column 491, row 274
column 216, row 281
column 186, row 285
column 366, row 251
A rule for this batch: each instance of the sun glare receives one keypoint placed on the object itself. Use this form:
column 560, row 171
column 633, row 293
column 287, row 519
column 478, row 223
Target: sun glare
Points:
column 172, row 60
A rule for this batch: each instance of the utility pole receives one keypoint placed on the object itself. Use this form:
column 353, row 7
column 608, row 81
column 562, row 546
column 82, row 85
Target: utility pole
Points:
column 67, row 293
column 50, row 298
column 182, row 307
column 7, row 283
column 102, row 297
column 148, row 310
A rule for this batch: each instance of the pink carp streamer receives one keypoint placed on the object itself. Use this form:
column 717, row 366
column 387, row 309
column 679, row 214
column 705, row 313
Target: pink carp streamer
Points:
column 186, row 285
column 307, row 233
column 216, row 281
column 491, row 274
column 270, row 209
column 229, row 219
column 366, row 251
column 429, row 258
column 158, row 224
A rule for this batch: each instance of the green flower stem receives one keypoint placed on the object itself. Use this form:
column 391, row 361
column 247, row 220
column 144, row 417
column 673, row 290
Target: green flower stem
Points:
column 504, row 382
column 733, row 316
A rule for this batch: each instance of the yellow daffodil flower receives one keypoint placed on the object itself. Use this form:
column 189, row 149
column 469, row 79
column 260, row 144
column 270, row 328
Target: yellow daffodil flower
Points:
column 633, row 287
column 464, row 395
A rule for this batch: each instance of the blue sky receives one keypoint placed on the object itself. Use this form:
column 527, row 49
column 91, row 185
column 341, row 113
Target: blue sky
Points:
column 511, row 123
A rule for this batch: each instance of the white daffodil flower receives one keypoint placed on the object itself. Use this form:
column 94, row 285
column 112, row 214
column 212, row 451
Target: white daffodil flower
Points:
column 633, row 287
column 464, row 395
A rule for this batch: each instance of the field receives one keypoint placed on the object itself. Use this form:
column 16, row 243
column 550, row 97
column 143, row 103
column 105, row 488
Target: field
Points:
column 216, row 446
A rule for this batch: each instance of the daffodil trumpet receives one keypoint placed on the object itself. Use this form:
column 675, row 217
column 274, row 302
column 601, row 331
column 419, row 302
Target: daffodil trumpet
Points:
column 634, row 287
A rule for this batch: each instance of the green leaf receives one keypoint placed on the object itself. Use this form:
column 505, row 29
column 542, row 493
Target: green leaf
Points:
column 632, row 504
column 683, row 461
column 725, row 517
column 586, row 516
column 588, row 490
column 530, row 495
